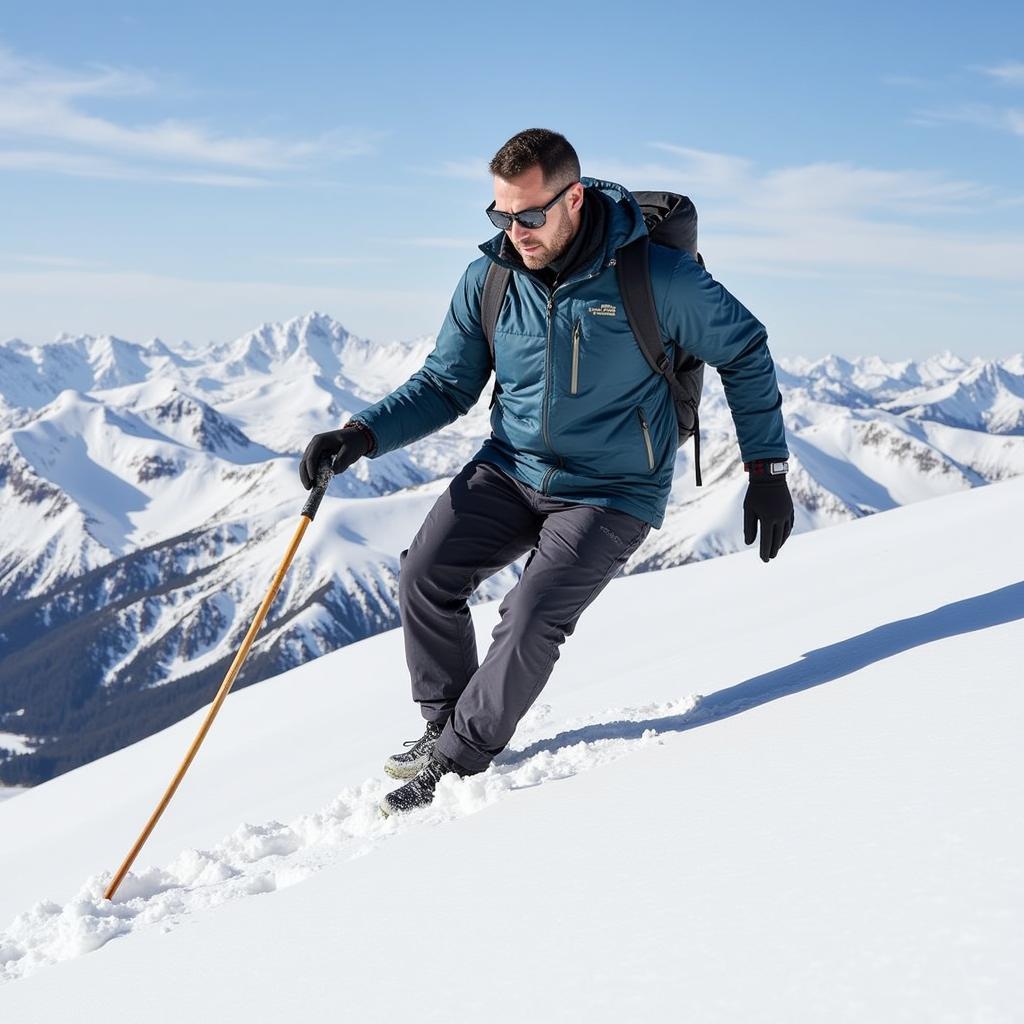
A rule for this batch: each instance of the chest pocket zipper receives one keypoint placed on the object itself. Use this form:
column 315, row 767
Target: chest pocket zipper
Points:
column 647, row 439
column 577, row 330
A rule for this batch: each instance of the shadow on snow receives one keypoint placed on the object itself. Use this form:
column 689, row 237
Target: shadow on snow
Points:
column 813, row 669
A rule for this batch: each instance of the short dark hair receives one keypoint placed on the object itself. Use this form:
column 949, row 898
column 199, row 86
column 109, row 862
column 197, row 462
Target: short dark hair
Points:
column 537, row 146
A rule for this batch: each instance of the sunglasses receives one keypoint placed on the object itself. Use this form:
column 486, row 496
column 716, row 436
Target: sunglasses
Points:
column 534, row 218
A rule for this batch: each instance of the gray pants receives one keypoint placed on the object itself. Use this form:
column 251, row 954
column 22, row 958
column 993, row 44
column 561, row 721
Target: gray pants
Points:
column 482, row 523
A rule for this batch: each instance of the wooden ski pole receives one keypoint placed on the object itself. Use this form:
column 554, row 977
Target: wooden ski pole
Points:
column 308, row 512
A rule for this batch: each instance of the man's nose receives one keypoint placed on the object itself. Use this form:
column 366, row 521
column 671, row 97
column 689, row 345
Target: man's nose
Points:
column 518, row 232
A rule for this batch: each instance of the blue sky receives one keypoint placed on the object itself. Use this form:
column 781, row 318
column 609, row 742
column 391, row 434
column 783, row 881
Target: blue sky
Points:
column 191, row 170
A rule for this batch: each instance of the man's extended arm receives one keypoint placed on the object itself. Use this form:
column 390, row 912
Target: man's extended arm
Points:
column 707, row 321
column 449, row 382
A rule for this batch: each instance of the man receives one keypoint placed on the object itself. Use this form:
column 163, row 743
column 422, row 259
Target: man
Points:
column 582, row 448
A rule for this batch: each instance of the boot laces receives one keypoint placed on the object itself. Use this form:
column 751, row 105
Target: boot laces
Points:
column 430, row 735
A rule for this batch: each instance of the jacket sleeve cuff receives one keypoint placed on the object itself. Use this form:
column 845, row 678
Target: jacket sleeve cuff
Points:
column 765, row 469
column 371, row 440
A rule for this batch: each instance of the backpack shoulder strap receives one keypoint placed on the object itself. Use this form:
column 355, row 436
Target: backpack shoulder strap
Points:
column 495, row 287
column 634, row 272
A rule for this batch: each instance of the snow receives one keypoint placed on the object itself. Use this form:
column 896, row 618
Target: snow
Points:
column 14, row 743
column 793, row 795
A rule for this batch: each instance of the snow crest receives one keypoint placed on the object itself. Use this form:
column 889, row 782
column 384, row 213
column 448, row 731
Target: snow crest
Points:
column 261, row 858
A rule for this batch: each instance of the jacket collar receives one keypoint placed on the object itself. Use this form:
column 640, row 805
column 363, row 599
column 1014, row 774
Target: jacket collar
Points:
column 624, row 223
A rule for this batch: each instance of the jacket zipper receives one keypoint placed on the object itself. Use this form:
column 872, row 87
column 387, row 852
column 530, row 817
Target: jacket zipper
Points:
column 575, row 385
column 547, row 381
column 647, row 438
column 547, row 388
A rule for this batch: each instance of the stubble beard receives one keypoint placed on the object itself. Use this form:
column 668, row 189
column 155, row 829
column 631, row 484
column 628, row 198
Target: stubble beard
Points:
column 552, row 250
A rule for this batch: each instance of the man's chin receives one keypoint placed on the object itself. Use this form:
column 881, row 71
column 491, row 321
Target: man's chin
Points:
column 535, row 260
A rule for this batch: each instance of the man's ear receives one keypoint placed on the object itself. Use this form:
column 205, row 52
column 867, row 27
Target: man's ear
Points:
column 575, row 196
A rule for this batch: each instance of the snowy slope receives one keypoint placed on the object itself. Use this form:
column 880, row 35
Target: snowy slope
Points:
column 794, row 796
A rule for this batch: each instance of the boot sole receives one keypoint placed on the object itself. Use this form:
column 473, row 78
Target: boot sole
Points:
column 385, row 810
column 404, row 771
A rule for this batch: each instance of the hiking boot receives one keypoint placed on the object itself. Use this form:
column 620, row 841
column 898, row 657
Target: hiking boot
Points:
column 419, row 792
column 407, row 764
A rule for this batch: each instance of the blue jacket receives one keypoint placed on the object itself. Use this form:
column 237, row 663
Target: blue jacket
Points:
column 579, row 413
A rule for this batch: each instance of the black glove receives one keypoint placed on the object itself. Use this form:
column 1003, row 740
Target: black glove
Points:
column 769, row 504
column 343, row 446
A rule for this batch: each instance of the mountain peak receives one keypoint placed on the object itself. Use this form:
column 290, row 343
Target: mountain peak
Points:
column 314, row 339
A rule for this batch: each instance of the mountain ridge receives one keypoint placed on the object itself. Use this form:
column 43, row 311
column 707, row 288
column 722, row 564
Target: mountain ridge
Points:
column 154, row 448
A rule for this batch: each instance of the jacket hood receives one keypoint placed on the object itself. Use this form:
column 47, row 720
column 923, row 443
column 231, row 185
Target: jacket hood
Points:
column 625, row 222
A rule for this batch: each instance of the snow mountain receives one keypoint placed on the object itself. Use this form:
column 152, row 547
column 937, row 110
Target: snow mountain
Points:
column 988, row 397
column 148, row 495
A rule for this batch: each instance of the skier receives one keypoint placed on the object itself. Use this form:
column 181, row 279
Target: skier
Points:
column 579, row 463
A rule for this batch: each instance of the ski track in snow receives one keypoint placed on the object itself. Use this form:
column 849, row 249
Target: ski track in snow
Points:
column 258, row 859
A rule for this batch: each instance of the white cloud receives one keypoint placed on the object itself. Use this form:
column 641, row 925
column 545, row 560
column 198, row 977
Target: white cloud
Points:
column 44, row 107
column 819, row 186
column 984, row 115
column 842, row 245
column 44, row 79
column 84, row 165
column 980, row 114
column 835, row 186
column 833, row 218
column 715, row 172
column 1008, row 73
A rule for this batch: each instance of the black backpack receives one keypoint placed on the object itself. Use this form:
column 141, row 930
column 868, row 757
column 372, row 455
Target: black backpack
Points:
column 671, row 221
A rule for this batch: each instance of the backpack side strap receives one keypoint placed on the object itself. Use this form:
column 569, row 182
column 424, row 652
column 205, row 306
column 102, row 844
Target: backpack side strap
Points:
column 495, row 287
column 633, row 268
